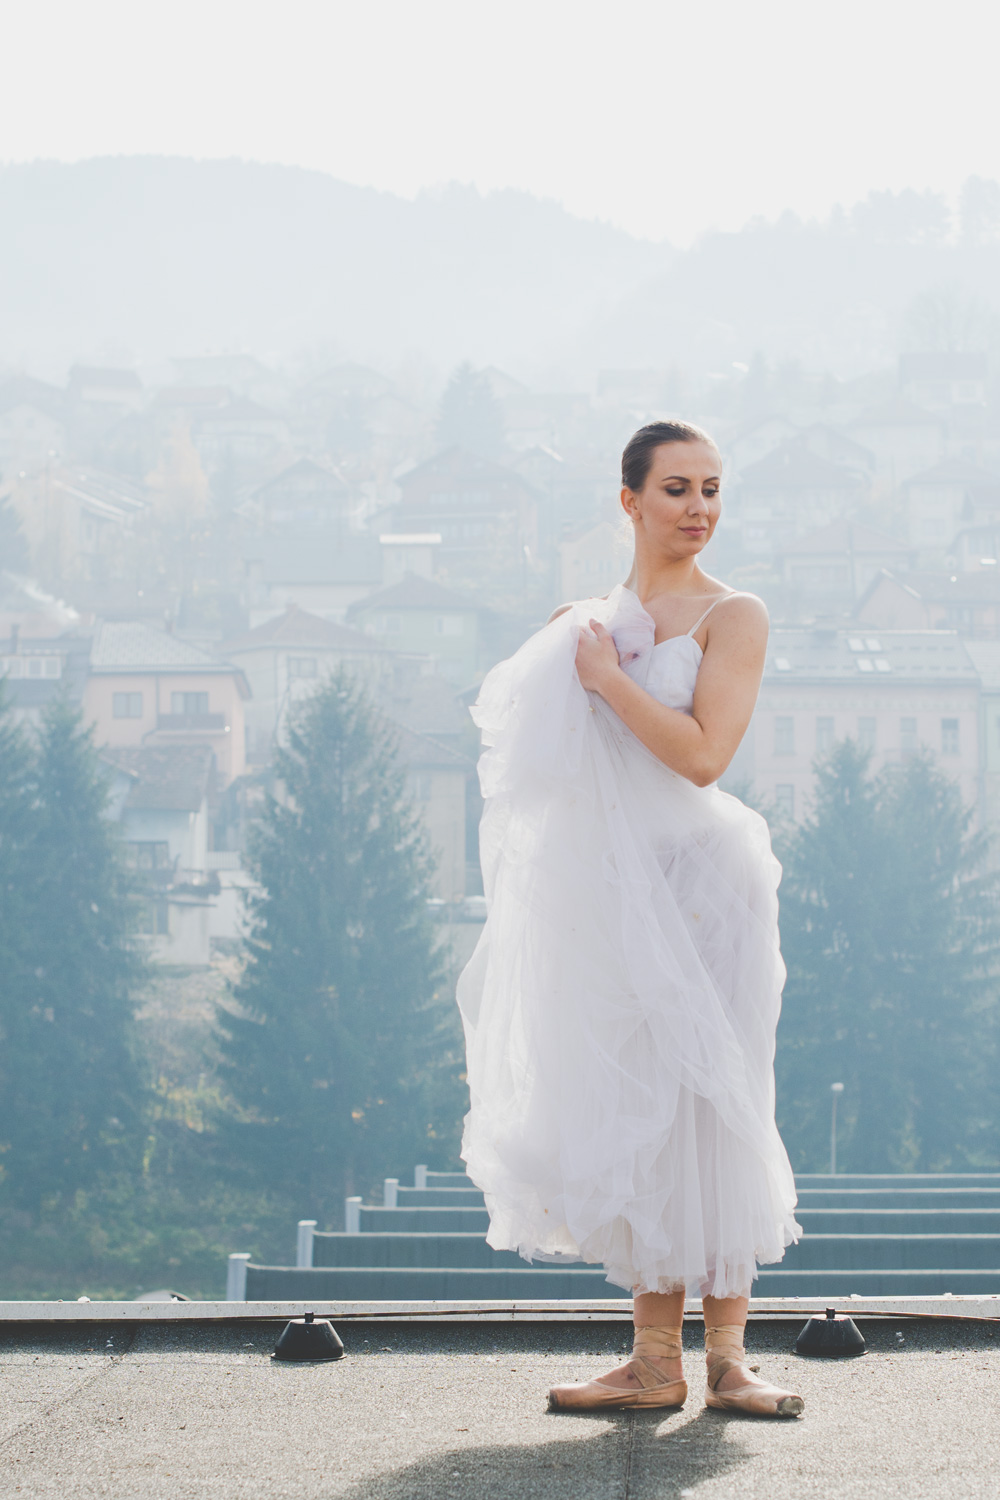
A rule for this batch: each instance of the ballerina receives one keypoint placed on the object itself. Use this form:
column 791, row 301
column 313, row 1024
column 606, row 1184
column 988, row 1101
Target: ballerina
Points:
column 621, row 1004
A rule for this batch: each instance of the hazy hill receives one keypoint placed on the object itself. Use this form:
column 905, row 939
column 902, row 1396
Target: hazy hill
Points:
column 154, row 256
column 140, row 258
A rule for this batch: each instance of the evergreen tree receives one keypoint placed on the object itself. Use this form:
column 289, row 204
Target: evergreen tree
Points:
column 469, row 415
column 70, row 1088
column 342, row 1055
column 890, row 933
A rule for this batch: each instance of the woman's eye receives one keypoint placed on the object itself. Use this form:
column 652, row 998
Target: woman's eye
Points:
column 675, row 492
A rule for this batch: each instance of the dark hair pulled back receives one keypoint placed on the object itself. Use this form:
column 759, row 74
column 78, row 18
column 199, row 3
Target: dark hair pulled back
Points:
column 638, row 455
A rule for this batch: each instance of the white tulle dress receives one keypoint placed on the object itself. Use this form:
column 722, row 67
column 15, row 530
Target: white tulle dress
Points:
column 621, row 1004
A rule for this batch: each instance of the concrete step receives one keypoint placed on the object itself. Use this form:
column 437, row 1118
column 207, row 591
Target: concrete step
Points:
column 446, row 1180
column 427, row 1220
column 898, row 1180
column 944, row 1197
column 439, row 1197
column 818, row 1251
column 899, row 1220
column 277, row 1283
column 469, row 1251
column 894, row 1252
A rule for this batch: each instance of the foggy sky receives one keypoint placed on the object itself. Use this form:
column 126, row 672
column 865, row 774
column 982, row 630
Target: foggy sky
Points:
column 664, row 119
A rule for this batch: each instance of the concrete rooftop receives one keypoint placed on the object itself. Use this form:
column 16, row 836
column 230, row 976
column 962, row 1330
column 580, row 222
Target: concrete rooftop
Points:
column 427, row 1411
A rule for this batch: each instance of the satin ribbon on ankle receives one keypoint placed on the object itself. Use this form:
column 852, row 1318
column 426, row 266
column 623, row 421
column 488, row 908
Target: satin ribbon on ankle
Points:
column 724, row 1349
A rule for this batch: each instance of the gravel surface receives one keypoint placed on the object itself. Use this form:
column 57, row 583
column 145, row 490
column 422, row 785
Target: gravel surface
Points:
column 426, row 1413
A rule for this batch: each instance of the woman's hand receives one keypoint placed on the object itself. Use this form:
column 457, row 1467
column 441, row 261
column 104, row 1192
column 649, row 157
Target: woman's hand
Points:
column 596, row 657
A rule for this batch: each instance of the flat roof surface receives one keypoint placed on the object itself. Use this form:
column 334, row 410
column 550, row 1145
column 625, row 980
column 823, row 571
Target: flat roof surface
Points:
column 427, row 1412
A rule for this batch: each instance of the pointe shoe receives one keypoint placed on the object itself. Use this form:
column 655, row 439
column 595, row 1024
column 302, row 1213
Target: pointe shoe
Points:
column 592, row 1395
column 757, row 1399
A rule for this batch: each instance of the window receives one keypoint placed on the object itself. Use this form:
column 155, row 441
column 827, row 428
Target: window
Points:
column 872, row 643
column 422, row 787
column 866, row 733
column 949, row 736
column 302, row 666
column 126, row 705
column 189, row 703
column 784, row 736
column 824, row 735
column 882, row 664
column 907, row 736
column 149, row 856
column 782, row 664
column 856, row 643
column 388, row 624
column 448, row 625
column 865, row 664
column 784, row 801
column 154, row 918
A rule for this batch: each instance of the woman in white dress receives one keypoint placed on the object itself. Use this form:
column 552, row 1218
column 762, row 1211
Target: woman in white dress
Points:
column 621, row 1005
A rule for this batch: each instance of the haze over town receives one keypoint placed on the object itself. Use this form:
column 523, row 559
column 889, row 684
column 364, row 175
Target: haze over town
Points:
column 320, row 338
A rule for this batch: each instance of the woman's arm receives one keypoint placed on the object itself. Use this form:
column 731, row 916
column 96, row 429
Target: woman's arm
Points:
column 701, row 744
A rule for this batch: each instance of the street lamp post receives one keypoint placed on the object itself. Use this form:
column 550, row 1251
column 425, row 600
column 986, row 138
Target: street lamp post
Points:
column 836, row 1089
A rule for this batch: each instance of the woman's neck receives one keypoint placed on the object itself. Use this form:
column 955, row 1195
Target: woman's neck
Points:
column 649, row 578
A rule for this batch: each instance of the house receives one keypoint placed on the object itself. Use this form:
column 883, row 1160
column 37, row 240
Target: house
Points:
column 939, row 500
column 41, row 663
column 286, row 658
column 829, row 569
column 323, row 572
column 480, row 509
column 160, row 796
column 242, row 374
column 97, row 398
column 408, row 552
column 32, row 425
column 966, row 602
column 894, row 691
column 940, row 380
column 306, row 493
column 790, row 493
column 149, row 688
column 750, row 444
column 836, row 447
column 419, row 616
column 437, row 777
column 985, row 657
column 904, row 438
column 591, row 564
column 237, row 440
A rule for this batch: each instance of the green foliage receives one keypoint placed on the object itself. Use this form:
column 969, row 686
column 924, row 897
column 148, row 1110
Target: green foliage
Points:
column 342, row 1054
column 71, row 1092
column 469, row 414
column 891, row 932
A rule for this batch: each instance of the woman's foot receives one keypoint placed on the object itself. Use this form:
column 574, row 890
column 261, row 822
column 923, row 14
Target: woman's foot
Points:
column 733, row 1387
column 626, row 1376
column 649, row 1378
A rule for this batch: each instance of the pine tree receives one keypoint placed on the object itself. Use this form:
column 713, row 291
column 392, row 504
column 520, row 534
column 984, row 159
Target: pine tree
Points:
column 342, row 1054
column 891, row 934
column 72, row 1096
column 469, row 415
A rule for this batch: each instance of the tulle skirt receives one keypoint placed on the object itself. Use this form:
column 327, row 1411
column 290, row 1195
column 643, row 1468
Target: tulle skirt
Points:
column 620, row 1007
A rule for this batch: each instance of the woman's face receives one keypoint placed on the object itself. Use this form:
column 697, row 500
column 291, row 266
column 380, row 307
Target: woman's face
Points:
column 678, row 506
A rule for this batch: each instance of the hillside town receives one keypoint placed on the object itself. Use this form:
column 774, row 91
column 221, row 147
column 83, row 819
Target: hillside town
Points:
column 188, row 558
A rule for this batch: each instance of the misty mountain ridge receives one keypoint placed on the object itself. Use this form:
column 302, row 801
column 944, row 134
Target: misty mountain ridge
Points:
column 137, row 259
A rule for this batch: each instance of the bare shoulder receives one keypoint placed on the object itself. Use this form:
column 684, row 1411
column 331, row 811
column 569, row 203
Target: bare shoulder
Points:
column 740, row 614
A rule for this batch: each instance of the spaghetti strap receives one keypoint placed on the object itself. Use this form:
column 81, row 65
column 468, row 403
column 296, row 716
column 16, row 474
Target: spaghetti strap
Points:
column 701, row 620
